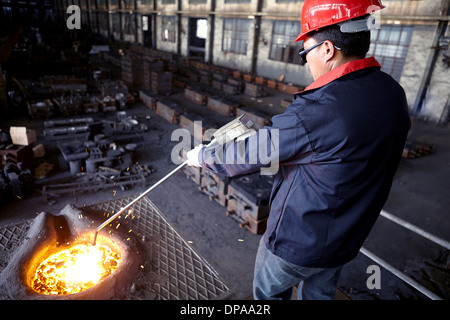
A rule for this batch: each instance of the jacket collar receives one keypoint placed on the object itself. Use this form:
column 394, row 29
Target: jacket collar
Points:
column 342, row 70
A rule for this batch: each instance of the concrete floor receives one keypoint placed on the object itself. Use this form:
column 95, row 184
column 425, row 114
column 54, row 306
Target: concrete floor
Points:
column 419, row 195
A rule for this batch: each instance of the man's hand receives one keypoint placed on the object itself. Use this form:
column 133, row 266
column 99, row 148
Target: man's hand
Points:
column 192, row 156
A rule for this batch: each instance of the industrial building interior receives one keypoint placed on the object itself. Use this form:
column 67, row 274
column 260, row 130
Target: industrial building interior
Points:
column 93, row 94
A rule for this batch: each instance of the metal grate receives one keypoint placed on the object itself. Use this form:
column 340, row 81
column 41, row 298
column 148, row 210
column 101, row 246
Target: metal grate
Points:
column 189, row 276
column 10, row 235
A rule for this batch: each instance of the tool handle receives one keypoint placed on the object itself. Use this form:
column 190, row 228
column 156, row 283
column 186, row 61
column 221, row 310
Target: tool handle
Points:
column 171, row 173
column 181, row 166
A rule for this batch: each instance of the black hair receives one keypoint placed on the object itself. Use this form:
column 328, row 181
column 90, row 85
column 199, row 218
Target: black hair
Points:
column 353, row 45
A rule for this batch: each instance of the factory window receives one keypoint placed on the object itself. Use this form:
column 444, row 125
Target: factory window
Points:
column 235, row 35
column 7, row 11
column 127, row 4
column 93, row 23
column 390, row 45
column 129, row 24
column 116, row 25
column 196, row 1
column 101, row 4
column 168, row 28
column 145, row 23
column 202, row 28
column 282, row 47
column 103, row 21
column 168, row 1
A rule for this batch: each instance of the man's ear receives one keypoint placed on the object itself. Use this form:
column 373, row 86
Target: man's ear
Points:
column 328, row 50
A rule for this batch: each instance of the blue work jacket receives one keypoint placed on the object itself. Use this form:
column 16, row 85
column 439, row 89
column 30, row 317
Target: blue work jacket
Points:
column 338, row 144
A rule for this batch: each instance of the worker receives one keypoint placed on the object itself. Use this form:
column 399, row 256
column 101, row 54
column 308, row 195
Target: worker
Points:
column 339, row 145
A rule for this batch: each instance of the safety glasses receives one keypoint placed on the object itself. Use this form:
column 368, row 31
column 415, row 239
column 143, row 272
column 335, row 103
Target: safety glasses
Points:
column 302, row 53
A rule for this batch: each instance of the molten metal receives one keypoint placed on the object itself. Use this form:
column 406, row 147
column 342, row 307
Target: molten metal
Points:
column 74, row 269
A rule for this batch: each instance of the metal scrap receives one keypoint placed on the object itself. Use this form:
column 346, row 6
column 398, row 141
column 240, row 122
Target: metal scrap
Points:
column 415, row 149
column 104, row 178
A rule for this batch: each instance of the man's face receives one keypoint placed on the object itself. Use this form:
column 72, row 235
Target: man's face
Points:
column 316, row 58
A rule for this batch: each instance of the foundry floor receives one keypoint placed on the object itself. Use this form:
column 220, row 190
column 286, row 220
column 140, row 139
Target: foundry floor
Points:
column 419, row 195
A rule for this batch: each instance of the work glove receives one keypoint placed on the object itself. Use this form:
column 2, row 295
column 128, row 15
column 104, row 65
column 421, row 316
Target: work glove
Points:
column 192, row 156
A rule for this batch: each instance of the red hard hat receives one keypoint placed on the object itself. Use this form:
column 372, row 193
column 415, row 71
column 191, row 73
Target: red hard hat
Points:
column 317, row 14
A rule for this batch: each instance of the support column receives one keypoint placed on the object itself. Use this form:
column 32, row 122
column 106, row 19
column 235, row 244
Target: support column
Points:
column 432, row 59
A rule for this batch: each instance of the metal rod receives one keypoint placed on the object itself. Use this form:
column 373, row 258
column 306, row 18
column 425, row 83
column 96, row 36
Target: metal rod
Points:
column 181, row 166
column 399, row 274
column 167, row 176
column 415, row 229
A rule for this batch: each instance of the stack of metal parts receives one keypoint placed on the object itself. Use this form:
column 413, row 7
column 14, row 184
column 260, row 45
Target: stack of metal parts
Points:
column 82, row 128
column 162, row 83
column 15, row 181
column 60, row 84
column 254, row 90
column 205, row 77
column 69, row 106
column 230, row 88
column 101, row 179
column 238, row 83
column 149, row 67
column 415, row 149
column 289, row 88
column 99, row 154
column 132, row 70
column 169, row 111
column 16, row 161
column 217, row 84
column 106, row 103
column 196, row 125
column 195, row 95
column 75, row 128
column 125, row 124
column 41, row 109
column 69, row 99
column 114, row 94
column 19, row 154
column 148, row 98
column 99, row 163
column 65, row 95
column 222, row 106
column 89, row 155
column 64, row 105
column 248, row 200
column 215, row 186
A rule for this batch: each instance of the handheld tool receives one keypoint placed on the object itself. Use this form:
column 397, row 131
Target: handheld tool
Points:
column 240, row 127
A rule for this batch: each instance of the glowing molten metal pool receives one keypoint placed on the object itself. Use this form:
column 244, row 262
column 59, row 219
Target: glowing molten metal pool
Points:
column 74, row 269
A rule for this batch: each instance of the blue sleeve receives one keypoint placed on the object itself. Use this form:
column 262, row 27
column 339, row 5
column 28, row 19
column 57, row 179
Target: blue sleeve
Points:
column 267, row 148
